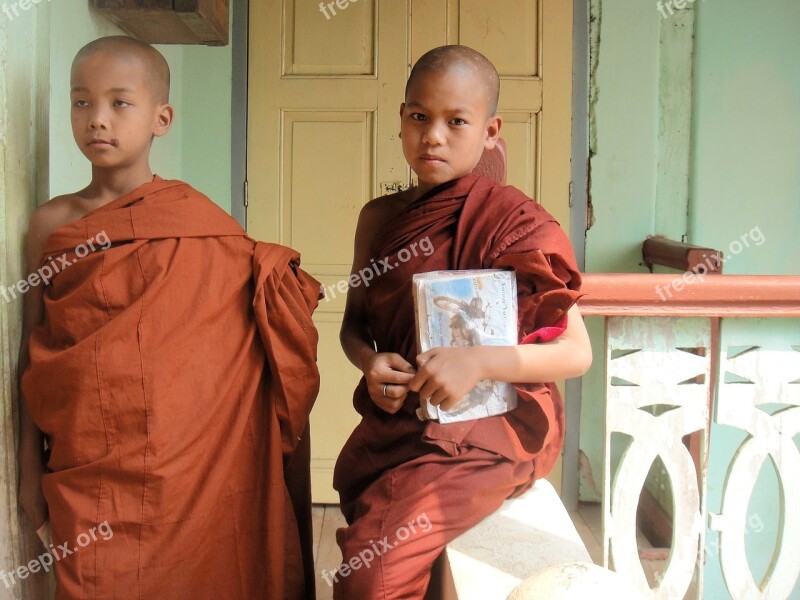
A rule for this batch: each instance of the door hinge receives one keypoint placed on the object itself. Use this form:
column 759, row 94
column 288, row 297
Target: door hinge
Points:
column 246, row 194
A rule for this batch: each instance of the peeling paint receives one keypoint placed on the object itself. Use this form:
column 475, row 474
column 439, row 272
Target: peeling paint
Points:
column 595, row 22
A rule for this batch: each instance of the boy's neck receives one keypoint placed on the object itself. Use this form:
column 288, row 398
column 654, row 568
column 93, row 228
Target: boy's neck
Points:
column 423, row 188
column 109, row 184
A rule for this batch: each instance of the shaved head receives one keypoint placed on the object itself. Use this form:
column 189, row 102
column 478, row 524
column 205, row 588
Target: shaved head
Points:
column 447, row 59
column 126, row 48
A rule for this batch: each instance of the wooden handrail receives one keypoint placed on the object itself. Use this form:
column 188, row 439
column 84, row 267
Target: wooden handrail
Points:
column 689, row 295
column 659, row 250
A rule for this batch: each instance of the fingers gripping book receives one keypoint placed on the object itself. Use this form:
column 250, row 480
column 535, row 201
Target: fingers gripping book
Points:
column 468, row 308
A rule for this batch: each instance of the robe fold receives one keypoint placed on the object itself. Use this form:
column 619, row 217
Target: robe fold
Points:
column 471, row 223
column 173, row 375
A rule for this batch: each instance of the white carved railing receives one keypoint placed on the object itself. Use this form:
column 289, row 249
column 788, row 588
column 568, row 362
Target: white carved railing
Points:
column 684, row 368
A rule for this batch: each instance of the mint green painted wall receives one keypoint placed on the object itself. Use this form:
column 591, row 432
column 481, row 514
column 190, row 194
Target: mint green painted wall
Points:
column 197, row 149
column 746, row 163
column 206, row 114
column 625, row 123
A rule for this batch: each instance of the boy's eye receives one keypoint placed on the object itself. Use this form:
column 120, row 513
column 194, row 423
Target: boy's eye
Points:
column 418, row 116
column 457, row 121
column 80, row 104
column 122, row 103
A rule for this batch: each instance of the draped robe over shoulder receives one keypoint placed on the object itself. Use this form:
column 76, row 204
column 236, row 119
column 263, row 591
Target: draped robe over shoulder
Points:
column 471, row 223
column 173, row 375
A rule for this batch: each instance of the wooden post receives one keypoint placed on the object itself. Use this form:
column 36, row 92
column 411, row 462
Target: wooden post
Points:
column 24, row 85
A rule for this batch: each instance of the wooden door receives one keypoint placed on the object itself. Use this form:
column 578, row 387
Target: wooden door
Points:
column 325, row 87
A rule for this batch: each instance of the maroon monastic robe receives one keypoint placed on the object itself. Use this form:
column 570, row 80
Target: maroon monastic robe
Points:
column 472, row 223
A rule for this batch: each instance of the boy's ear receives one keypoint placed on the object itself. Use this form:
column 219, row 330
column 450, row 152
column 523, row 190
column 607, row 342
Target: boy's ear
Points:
column 164, row 119
column 493, row 126
column 402, row 108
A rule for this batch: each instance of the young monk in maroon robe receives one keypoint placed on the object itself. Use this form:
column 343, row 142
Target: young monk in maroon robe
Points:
column 408, row 486
column 169, row 365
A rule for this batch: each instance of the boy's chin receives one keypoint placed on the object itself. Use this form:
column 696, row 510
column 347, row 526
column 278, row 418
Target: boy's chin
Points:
column 430, row 183
column 103, row 162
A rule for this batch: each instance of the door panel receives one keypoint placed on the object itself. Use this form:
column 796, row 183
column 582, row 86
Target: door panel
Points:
column 315, row 46
column 322, row 139
column 324, row 95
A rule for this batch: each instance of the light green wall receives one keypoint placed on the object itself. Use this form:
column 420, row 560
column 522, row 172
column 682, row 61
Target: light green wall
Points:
column 197, row 149
column 746, row 163
column 624, row 120
column 206, row 110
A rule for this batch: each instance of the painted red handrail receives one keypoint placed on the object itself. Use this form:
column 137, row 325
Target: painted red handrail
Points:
column 690, row 295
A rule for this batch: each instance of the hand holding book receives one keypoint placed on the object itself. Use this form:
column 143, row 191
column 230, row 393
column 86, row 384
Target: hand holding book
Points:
column 388, row 375
column 458, row 313
column 446, row 376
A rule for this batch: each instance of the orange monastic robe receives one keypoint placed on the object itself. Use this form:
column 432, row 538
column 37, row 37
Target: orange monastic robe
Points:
column 173, row 376
column 396, row 470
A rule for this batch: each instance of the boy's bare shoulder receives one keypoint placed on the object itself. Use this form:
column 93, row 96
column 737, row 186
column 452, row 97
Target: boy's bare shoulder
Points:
column 59, row 211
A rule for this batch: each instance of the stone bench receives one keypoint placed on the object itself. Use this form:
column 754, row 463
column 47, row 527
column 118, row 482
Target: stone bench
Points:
column 527, row 535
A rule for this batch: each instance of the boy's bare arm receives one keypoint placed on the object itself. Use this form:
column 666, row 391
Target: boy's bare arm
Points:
column 387, row 371
column 30, row 457
column 569, row 355
column 355, row 336
column 447, row 374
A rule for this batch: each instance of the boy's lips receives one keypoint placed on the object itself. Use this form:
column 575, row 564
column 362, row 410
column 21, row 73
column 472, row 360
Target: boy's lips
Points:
column 103, row 143
column 432, row 158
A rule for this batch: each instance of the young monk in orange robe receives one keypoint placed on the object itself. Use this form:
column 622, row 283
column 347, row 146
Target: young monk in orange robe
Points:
column 407, row 486
column 169, row 364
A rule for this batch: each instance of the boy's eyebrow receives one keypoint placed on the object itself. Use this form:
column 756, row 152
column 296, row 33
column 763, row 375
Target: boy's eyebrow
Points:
column 412, row 103
column 116, row 90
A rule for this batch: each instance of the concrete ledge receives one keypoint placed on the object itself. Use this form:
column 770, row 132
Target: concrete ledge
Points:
column 528, row 534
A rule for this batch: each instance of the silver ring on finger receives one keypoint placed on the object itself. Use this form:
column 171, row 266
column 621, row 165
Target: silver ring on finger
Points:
column 384, row 390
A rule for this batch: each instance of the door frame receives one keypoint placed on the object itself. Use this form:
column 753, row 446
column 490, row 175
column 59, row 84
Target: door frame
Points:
column 240, row 46
column 579, row 224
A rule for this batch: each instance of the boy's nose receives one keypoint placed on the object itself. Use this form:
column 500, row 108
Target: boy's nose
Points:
column 97, row 121
column 433, row 135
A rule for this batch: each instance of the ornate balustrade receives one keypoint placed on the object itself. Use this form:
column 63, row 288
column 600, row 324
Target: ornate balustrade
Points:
column 703, row 373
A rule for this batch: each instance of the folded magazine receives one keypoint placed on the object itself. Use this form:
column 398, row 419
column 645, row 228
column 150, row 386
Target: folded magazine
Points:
column 468, row 308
